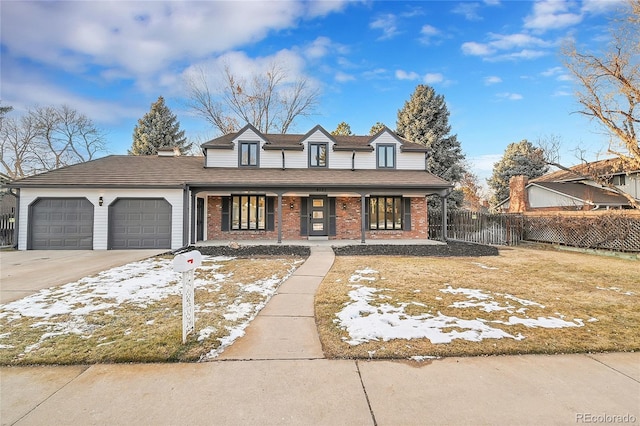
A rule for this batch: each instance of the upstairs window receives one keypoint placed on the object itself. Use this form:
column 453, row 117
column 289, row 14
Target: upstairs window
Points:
column 619, row 180
column 317, row 155
column 386, row 156
column 249, row 154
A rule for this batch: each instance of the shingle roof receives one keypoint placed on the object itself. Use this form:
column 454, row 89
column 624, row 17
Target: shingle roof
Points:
column 585, row 192
column 294, row 141
column 606, row 167
column 128, row 171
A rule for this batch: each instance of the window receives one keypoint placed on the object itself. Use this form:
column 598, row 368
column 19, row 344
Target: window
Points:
column 317, row 155
column 386, row 156
column 249, row 153
column 619, row 180
column 385, row 213
column 248, row 212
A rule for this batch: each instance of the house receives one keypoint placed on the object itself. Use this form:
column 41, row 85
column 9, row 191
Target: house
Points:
column 574, row 189
column 247, row 186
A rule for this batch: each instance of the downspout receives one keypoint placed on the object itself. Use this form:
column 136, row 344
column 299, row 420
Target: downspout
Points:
column 193, row 218
column 16, row 216
column 282, row 159
column 353, row 160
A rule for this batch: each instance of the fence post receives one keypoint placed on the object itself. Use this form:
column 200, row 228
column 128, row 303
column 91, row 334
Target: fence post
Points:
column 444, row 218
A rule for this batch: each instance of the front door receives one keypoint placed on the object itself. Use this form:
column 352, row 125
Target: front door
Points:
column 319, row 216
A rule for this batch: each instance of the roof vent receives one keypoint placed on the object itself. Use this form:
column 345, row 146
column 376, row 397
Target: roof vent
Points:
column 169, row 151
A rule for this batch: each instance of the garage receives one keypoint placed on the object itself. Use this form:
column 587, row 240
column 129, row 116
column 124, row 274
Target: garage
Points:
column 140, row 223
column 61, row 224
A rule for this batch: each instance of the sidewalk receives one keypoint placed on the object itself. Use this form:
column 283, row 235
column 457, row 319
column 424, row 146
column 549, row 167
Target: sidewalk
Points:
column 276, row 374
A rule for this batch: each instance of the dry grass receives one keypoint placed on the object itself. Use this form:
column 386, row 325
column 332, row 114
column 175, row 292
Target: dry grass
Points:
column 150, row 332
column 576, row 287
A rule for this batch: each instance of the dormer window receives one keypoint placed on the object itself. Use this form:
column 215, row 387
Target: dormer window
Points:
column 317, row 155
column 386, row 156
column 248, row 154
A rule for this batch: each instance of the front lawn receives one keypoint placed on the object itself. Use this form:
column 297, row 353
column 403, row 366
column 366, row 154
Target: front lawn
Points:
column 522, row 301
column 133, row 313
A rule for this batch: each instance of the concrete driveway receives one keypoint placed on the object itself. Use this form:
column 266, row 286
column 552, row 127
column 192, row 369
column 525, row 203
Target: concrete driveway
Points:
column 25, row 272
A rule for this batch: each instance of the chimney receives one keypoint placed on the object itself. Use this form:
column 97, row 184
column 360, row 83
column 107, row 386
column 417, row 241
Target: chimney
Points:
column 169, row 151
column 518, row 197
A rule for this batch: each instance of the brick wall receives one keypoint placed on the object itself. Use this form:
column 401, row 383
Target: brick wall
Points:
column 348, row 213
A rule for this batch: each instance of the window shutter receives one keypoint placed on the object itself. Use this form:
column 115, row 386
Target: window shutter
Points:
column 224, row 226
column 304, row 216
column 271, row 213
column 406, row 220
column 332, row 216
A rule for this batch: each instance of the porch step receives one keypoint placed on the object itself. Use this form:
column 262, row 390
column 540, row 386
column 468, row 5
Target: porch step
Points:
column 318, row 238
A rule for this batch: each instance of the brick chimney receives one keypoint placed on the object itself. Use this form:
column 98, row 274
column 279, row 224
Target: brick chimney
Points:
column 519, row 200
column 169, row 151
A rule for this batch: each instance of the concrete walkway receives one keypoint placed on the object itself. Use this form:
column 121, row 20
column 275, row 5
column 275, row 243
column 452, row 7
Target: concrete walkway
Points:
column 276, row 375
column 286, row 327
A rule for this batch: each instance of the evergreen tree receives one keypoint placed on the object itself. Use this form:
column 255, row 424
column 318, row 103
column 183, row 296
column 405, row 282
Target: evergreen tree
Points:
column 343, row 129
column 424, row 119
column 521, row 158
column 159, row 128
column 376, row 128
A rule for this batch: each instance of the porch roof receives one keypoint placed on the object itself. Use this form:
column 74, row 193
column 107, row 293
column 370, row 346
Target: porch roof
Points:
column 126, row 171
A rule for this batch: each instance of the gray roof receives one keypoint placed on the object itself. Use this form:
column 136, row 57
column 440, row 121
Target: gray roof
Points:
column 294, row 141
column 587, row 193
column 129, row 171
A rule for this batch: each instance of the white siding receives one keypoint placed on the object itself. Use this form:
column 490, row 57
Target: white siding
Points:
column 100, row 215
column 300, row 159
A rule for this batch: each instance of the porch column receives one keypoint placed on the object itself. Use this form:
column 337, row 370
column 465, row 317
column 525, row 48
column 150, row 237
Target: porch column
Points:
column 443, row 200
column 185, row 215
column 363, row 207
column 279, row 218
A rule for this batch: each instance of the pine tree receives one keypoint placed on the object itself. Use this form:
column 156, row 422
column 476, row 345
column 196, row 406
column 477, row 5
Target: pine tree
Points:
column 376, row 128
column 521, row 158
column 424, row 119
column 159, row 128
column 343, row 129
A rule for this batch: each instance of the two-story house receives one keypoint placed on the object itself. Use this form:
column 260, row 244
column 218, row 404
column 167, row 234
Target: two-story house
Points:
column 247, row 186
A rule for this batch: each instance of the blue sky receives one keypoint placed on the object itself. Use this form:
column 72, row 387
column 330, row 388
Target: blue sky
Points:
column 496, row 62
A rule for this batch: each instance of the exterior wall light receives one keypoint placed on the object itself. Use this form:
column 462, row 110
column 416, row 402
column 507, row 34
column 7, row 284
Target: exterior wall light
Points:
column 291, row 206
column 344, row 206
column 100, row 201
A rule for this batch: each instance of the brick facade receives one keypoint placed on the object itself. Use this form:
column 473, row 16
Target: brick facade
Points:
column 348, row 214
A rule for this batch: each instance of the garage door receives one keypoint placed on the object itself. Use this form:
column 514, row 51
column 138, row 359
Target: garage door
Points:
column 61, row 224
column 136, row 223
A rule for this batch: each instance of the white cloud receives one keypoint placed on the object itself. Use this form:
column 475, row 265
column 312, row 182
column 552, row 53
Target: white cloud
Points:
column 522, row 46
column 484, row 163
column 432, row 78
column 552, row 14
column 342, row 77
column 140, row 39
column 476, row 49
column 509, row 96
column 559, row 73
column 387, row 23
column 488, row 81
column 600, row 6
column 468, row 10
column 404, row 75
column 427, row 33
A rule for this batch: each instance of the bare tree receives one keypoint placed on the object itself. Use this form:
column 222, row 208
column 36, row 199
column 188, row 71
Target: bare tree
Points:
column 268, row 101
column 609, row 84
column 46, row 138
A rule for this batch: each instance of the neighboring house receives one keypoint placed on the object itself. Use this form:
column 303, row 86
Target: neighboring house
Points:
column 573, row 189
column 248, row 186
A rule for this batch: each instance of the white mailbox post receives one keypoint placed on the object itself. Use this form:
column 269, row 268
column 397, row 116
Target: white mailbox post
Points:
column 187, row 263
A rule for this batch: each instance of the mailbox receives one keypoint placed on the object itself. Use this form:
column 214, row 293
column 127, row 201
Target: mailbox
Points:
column 187, row 261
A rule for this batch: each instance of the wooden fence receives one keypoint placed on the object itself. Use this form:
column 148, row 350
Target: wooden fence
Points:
column 7, row 226
column 483, row 228
column 617, row 230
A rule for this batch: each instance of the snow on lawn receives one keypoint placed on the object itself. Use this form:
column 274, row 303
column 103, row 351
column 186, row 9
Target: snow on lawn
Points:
column 137, row 283
column 366, row 321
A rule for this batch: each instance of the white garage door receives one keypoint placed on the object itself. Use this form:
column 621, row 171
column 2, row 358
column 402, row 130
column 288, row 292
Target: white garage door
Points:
column 61, row 224
column 140, row 223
